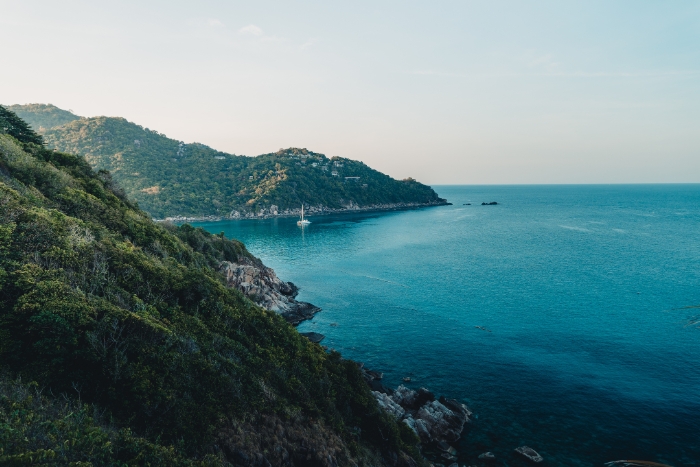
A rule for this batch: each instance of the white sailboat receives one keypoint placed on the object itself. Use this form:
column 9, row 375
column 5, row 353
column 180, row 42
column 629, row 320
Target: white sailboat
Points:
column 303, row 221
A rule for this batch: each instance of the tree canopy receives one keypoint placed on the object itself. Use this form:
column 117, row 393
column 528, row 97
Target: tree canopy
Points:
column 14, row 126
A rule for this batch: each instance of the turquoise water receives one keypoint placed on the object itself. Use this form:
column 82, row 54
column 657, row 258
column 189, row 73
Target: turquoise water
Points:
column 588, row 358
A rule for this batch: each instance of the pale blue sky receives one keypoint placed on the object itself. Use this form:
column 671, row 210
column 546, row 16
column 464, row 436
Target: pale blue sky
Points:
column 446, row 92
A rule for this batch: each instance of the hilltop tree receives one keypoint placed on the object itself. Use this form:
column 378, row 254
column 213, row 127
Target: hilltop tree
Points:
column 14, row 126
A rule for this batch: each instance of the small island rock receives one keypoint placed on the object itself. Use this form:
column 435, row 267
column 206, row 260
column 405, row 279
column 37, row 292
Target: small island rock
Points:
column 529, row 453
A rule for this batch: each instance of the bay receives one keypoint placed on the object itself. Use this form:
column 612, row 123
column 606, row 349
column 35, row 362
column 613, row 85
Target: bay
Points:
column 583, row 350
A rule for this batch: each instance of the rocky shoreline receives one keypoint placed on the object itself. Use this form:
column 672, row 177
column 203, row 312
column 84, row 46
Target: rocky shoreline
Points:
column 436, row 421
column 320, row 210
column 262, row 286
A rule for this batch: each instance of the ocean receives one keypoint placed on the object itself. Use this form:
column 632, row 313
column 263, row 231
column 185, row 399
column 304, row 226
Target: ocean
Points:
column 559, row 316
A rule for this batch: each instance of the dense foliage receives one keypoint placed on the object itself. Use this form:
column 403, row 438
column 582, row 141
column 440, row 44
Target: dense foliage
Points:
column 170, row 178
column 100, row 303
column 12, row 125
column 40, row 430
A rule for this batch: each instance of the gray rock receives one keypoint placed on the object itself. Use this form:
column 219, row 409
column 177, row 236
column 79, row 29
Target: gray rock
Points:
column 460, row 410
column 261, row 284
column 442, row 423
column 314, row 337
column 388, row 404
column 424, row 396
column 433, row 421
column 529, row 453
column 405, row 397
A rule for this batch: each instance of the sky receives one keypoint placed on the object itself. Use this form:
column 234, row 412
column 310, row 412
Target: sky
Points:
column 447, row 92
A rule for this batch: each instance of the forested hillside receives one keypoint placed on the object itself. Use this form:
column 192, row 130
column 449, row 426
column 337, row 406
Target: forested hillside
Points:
column 43, row 117
column 170, row 178
column 121, row 345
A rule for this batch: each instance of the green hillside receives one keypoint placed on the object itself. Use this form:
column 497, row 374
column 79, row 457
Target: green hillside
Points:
column 43, row 117
column 170, row 178
column 121, row 345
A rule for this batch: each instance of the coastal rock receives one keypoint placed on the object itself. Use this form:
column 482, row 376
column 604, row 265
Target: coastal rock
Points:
column 529, row 453
column 374, row 379
column 432, row 420
column 442, row 422
column 261, row 284
column 405, row 396
column 424, row 396
column 446, row 447
column 376, row 385
column 388, row 404
column 314, row 337
column 412, row 399
column 419, row 427
column 461, row 410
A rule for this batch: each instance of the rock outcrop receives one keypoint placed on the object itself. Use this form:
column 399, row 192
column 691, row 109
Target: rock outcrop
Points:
column 436, row 421
column 261, row 284
column 388, row 404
